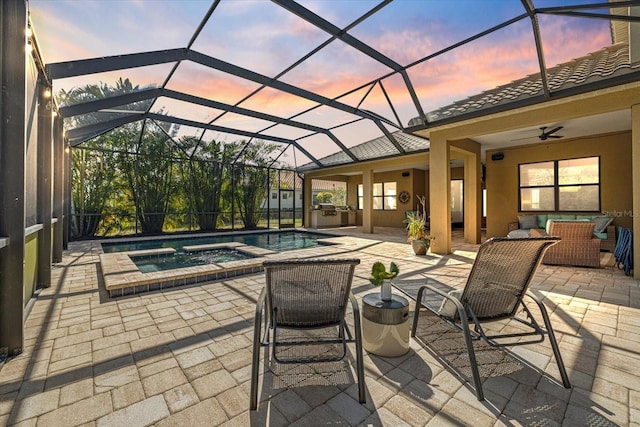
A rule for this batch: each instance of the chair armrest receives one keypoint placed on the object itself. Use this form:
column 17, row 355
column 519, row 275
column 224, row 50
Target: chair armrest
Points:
column 257, row 322
column 354, row 304
column 515, row 225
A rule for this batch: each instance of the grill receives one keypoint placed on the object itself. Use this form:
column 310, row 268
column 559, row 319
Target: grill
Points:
column 327, row 209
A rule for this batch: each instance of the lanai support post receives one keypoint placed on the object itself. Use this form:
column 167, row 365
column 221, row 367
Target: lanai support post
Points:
column 367, row 201
column 45, row 183
column 440, row 194
column 13, row 25
column 307, row 199
column 472, row 203
column 635, row 186
column 66, row 223
column 58, row 189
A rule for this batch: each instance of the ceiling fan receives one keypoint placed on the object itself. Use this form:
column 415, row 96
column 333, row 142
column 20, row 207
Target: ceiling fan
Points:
column 549, row 134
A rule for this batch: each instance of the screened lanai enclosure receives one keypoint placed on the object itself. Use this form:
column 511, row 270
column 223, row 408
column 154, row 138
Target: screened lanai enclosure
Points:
column 141, row 182
column 163, row 149
column 182, row 116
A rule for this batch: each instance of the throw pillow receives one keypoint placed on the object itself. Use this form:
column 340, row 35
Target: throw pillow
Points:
column 601, row 223
column 449, row 309
column 528, row 221
column 542, row 220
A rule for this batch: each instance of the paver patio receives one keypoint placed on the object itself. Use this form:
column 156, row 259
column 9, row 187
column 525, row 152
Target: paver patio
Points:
column 182, row 357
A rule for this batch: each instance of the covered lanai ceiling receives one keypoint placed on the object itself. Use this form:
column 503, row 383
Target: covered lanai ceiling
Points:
column 316, row 77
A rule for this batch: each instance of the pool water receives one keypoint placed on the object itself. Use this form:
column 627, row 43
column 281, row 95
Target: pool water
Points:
column 148, row 264
column 277, row 242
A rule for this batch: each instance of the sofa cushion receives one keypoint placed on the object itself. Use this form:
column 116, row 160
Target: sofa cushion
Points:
column 542, row 220
column 527, row 222
column 601, row 223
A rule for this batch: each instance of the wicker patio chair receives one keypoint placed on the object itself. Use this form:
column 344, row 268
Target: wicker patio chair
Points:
column 494, row 290
column 310, row 297
column 578, row 246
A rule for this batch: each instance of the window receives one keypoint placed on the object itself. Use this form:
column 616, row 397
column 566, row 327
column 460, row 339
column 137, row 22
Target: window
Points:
column 285, row 196
column 571, row 185
column 384, row 196
column 274, row 195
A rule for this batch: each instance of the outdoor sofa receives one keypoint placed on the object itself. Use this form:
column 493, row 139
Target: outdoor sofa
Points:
column 603, row 228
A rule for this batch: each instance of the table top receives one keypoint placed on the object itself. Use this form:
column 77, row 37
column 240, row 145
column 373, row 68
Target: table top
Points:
column 397, row 301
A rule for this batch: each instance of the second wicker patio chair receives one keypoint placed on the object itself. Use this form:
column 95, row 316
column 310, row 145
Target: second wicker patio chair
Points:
column 310, row 297
column 495, row 289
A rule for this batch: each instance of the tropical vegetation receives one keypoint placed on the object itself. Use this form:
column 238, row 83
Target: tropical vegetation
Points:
column 142, row 178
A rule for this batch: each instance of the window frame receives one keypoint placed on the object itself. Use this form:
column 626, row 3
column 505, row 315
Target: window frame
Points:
column 383, row 196
column 556, row 186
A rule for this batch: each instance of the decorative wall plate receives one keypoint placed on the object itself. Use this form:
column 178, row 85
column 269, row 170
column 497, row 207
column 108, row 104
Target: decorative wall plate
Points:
column 404, row 197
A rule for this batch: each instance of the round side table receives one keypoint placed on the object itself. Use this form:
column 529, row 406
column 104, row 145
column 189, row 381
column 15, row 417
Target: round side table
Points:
column 385, row 325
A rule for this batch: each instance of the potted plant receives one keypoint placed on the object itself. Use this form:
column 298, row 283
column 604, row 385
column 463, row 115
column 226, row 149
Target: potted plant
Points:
column 417, row 229
column 381, row 277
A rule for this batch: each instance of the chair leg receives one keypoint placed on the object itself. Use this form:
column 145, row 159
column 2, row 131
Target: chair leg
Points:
column 464, row 326
column 416, row 312
column 255, row 363
column 362, row 398
column 343, row 325
column 552, row 340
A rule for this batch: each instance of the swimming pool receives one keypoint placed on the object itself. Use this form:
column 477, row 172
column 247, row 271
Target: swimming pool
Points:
column 273, row 241
column 177, row 261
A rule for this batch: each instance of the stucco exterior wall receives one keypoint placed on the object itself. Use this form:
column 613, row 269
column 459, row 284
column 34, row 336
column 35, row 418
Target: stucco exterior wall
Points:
column 415, row 183
column 615, row 176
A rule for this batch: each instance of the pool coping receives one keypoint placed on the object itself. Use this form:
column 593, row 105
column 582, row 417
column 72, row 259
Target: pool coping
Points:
column 122, row 277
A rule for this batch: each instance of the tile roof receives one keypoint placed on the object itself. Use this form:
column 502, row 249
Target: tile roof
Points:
column 605, row 63
column 373, row 149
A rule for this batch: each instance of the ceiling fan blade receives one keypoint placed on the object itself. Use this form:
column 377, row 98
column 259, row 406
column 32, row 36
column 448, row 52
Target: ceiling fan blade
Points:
column 551, row 132
column 554, row 136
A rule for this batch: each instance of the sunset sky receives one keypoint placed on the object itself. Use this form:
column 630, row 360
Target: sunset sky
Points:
column 262, row 36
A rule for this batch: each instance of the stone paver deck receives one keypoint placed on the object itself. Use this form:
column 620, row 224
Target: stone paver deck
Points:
column 182, row 356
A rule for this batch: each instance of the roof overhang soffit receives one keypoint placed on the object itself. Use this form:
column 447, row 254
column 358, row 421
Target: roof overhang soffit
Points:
column 524, row 104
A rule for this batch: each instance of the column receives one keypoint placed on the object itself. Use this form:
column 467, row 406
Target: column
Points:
column 45, row 183
column 440, row 194
column 367, row 201
column 58, row 189
column 635, row 185
column 66, row 223
column 13, row 24
column 307, row 198
column 472, row 188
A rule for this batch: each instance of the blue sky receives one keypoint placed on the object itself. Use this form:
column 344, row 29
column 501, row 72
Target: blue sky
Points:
column 262, row 36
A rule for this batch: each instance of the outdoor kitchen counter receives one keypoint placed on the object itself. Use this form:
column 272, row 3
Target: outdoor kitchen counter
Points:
column 324, row 218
